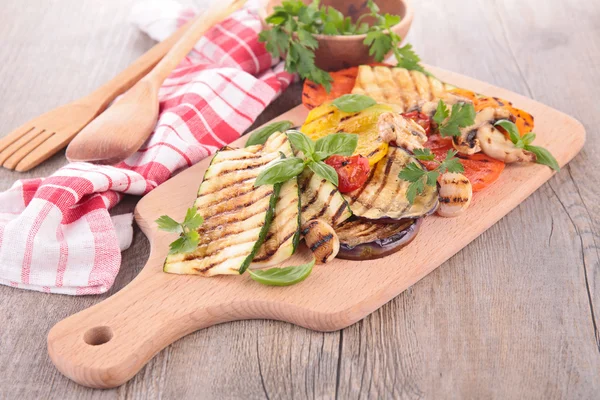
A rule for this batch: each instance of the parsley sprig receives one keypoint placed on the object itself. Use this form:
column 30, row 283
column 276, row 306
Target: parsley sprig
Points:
column 293, row 25
column 188, row 235
column 449, row 123
column 381, row 39
column 419, row 177
column 311, row 156
column 542, row 156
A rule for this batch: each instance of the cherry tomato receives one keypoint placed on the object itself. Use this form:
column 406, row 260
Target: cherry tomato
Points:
column 352, row 171
column 420, row 119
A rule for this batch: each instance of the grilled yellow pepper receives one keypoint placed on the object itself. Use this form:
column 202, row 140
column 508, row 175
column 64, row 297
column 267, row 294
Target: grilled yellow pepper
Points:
column 327, row 118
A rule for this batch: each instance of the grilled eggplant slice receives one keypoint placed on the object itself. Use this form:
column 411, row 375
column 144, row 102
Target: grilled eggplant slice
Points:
column 237, row 215
column 320, row 199
column 384, row 194
column 362, row 239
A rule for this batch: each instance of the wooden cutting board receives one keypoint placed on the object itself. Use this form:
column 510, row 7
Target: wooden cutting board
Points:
column 107, row 344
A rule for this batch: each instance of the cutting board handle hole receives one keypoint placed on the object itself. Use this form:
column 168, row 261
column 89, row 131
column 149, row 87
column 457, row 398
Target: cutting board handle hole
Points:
column 98, row 335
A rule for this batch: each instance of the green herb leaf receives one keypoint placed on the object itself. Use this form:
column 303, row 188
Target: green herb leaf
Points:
column 294, row 24
column 451, row 163
column 432, row 177
column 418, row 177
column 441, row 112
column 301, row 142
column 192, row 220
column 407, row 58
column 342, row 144
column 374, row 8
column 379, row 44
column 353, row 102
column 462, row 115
column 412, row 172
column 391, row 20
column 324, row 171
column 282, row 276
column 307, row 39
column 511, row 128
column 188, row 236
column 168, row 224
column 424, row 154
column 261, row 135
column 414, row 189
column 528, row 138
column 543, row 156
column 280, row 171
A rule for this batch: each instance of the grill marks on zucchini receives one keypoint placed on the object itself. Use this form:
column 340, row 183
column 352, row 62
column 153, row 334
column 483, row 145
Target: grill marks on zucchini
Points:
column 384, row 194
column 238, row 217
column 321, row 199
column 281, row 239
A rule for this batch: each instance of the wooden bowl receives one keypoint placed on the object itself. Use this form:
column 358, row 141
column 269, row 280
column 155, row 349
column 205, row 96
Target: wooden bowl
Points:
column 340, row 51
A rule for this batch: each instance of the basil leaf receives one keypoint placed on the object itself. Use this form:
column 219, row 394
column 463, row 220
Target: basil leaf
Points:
column 528, row 138
column 168, row 224
column 343, row 144
column 324, row 171
column 511, row 128
column 543, row 156
column 261, row 135
column 282, row 276
column 301, row 142
column 280, row 171
column 353, row 102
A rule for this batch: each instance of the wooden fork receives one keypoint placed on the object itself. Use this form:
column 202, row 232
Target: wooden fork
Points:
column 37, row 140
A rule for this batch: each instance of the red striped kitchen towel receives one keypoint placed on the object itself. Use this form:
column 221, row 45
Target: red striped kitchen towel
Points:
column 56, row 234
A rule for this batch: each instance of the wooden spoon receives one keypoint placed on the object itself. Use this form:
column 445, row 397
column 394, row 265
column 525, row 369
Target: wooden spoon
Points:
column 124, row 127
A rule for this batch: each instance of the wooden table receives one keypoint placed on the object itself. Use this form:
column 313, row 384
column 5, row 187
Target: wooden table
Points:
column 514, row 315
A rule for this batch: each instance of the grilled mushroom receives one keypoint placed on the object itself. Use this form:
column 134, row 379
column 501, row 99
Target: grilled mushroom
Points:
column 321, row 239
column 496, row 145
column 455, row 194
column 469, row 141
column 404, row 132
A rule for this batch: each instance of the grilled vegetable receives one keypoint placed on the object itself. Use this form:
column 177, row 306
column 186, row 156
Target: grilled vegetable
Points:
column 455, row 194
column 237, row 215
column 352, row 171
column 362, row 239
column 320, row 199
column 480, row 169
column 384, row 195
column 496, row 145
column 398, row 87
column 401, row 131
column 284, row 233
column 327, row 119
column 321, row 239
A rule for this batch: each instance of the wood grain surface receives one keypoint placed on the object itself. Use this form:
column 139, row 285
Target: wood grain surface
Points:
column 157, row 308
column 514, row 315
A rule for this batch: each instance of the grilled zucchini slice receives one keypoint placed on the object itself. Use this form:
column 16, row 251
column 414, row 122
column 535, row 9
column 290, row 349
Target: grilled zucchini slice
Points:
column 237, row 215
column 384, row 194
column 320, row 199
